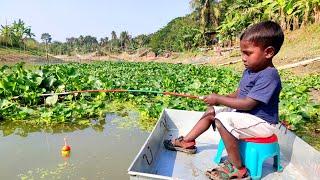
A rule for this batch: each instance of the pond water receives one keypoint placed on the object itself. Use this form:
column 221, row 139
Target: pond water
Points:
column 104, row 151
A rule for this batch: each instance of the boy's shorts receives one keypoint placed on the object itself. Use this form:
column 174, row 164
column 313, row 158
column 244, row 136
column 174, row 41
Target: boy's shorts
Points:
column 244, row 125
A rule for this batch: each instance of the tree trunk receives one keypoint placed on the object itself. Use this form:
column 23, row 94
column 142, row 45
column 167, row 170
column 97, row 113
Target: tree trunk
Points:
column 295, row 22
column 24, row 46
column 282, row 20
column 289, row 22
column 47, row 52
column 305, row 19
column 205, row 15
column 6, row 42
column 316, row 11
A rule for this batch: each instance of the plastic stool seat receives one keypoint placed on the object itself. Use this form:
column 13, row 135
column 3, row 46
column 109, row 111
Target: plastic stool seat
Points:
column 254, row 151
column 270, row 139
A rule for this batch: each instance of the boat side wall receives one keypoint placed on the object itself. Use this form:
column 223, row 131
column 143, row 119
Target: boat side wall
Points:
column 299, row 153
column 143, row 166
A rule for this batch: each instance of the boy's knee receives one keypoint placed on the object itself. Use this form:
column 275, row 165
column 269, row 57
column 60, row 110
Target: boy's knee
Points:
column 218, row 123
column 210, row 110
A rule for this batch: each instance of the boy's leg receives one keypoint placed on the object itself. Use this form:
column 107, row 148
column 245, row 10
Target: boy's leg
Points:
column 231, row 144
column 233, row 126
column 201, row 126
column 232, row 168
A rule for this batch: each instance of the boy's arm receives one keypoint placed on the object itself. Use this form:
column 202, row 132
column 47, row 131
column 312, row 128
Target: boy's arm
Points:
column 235, row 103
column 234, row 94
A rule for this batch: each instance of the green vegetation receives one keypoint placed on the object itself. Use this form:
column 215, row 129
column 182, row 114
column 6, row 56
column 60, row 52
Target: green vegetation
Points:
column 295, row 105
column 296, row 108
column 12, row 51
column 16, row 35
column 181, row 34
column 210, row 22
column 30, row 84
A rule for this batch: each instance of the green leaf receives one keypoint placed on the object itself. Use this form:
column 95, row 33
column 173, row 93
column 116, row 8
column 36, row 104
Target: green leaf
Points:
column 52, row 100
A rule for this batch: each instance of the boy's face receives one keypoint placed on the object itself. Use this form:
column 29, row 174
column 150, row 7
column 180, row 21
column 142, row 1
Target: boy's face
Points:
column 254, row 57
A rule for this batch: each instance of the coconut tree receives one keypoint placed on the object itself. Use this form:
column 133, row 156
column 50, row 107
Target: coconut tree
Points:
column 124, row 40
column 104, row 42
column 90, row 43
column 208, row 12
column 142, row 40
column 115, row 44
column 113, row 35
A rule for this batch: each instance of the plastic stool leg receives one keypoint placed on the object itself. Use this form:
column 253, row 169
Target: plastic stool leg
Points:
column 276, row 159
column 276, row 163
column 259, row 168
column 252, row 163
column 221, row 147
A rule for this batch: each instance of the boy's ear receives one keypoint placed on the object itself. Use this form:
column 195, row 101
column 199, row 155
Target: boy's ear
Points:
column 269, row 52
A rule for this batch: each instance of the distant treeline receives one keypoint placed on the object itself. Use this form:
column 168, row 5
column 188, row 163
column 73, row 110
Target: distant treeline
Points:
column 210, row 22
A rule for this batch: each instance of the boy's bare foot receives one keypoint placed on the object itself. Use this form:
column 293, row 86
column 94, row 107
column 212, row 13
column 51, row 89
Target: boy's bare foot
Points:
column 179, row 144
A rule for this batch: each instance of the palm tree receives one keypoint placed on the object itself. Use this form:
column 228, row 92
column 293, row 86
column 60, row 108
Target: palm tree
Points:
column 124, row 40
column 113, row 35
column 104, row 43
column 209, row 13
column 142, row 40
column 46, row 38
column 114, row 40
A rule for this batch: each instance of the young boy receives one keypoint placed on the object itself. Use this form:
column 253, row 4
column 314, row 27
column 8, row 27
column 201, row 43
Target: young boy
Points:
column 255, row 102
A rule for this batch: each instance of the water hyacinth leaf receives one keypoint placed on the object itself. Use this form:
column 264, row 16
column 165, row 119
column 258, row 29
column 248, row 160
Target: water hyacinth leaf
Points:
column 188, row 79
column 60, row 88
column 49, row 81
column 1, row 85
column 4, row 103
column 51, row 100
column 38, row 80
column 196, row 84
column 27, row 110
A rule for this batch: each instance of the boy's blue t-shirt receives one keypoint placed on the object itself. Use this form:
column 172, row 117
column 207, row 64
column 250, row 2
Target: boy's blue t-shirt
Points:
column 263, row 86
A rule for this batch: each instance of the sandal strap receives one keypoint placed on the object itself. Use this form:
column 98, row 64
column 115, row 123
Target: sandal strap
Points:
column 226, row 171
column 180, row 138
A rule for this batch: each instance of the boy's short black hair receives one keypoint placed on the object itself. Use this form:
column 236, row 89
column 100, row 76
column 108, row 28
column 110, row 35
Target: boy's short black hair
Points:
column 265, row 34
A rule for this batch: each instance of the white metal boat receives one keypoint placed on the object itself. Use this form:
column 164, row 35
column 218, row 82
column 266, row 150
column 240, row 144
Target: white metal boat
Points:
column 300, row 160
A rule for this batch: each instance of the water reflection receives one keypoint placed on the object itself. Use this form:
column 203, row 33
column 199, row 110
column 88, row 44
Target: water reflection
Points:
column 22, row 128
column 103, row 150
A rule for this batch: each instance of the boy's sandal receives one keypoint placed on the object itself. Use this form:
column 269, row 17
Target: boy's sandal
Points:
column 173, row 146
column 226, row 170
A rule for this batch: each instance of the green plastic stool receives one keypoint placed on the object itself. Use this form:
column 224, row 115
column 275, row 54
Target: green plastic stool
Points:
column 254, row 151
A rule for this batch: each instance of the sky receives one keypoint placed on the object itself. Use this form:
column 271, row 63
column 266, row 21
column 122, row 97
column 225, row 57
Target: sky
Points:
column 72, row 18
